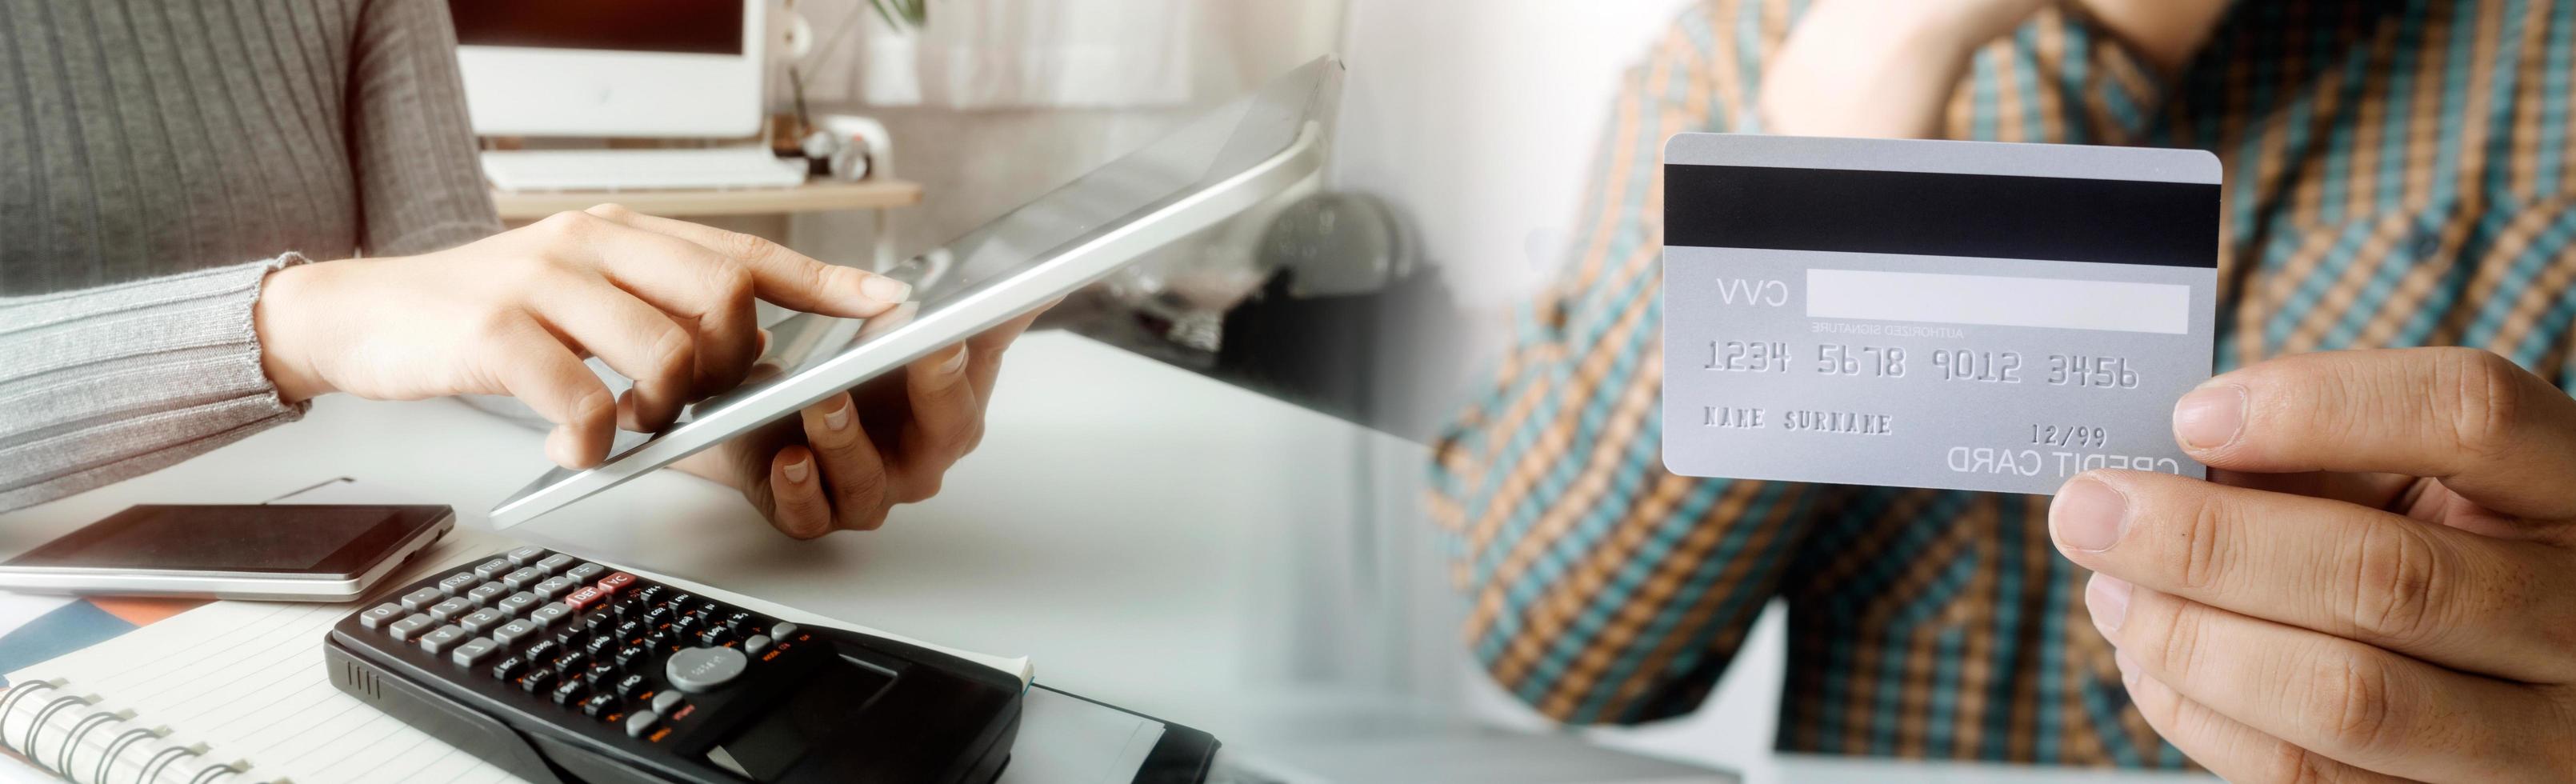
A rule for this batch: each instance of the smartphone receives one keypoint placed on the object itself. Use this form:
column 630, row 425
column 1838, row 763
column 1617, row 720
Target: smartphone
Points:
column 279, row 552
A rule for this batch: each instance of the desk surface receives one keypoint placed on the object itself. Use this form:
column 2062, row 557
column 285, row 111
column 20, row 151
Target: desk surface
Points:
column 823, row 196
column 1112, row 527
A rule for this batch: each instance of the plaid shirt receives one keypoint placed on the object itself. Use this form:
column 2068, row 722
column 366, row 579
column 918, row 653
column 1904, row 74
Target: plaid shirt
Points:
column 2397, row 175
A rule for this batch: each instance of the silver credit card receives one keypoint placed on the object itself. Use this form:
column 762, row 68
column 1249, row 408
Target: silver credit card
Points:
column 1956, row 315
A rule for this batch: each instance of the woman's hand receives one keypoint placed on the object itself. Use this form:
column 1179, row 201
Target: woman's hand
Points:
column 848, row 460
column 664, row 302
column 1878, row 68
column 2380, row 585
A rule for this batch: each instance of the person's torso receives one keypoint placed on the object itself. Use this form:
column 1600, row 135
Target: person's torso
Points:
column 142, row 138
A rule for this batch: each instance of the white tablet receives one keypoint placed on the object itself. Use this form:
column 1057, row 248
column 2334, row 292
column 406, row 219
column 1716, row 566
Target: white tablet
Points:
column 1222, row 163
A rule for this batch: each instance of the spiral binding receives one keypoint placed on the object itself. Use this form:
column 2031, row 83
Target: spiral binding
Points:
column 162, row 761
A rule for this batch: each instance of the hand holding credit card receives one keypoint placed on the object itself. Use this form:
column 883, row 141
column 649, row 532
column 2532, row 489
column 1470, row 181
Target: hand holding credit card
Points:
column 1955, row 315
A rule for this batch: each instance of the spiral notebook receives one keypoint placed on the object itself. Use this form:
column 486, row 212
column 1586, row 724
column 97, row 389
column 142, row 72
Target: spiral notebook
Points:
column 235, row 692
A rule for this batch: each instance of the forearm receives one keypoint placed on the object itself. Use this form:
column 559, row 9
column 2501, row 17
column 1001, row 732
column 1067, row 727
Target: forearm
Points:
column 1869, row 68
column 108, row 383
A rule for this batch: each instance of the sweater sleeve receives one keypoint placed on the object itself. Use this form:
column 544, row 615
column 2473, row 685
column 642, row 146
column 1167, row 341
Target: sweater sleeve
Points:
column 102, row 384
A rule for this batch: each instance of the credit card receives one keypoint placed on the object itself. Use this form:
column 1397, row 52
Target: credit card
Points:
column 1955, row 315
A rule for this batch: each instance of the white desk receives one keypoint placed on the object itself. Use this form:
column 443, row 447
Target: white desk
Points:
column 1114, row 526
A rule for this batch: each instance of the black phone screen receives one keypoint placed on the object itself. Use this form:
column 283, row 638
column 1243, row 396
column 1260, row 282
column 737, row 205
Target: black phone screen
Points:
column 282, row 538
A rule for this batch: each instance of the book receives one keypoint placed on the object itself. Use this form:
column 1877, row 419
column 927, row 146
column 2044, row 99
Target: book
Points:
column 236, row 692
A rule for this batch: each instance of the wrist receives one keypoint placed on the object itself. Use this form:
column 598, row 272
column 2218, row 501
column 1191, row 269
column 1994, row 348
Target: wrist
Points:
column 279, row 318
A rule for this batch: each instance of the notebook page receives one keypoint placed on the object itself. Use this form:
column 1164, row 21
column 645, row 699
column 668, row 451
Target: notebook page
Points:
column 246, row 678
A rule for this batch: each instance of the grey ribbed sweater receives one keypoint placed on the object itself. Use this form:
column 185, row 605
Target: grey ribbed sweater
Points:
column 157, row 158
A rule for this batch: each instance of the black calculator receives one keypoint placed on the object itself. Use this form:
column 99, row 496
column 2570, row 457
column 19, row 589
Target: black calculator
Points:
column 561, row 670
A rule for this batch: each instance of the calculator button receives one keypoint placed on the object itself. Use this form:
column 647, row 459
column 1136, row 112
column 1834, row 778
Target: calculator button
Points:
column 714, row 636
column 446, row 637
column 553, row 563
column 680, row 602
column 783, row 631
column 553, row 588
column 506, row 669
column 519, row 603
column 569, row 692
column 616, row 581
column 586, row 597
column 629, row 631
column 525, row 555
column 600, row 706
column 571, row 663
column 666, row 702
column 743, row 623
column 486, row 594
column 703, row 669
column 514, row 631
column 474, row 652
column 422, row 599
column 493, row 569
column 483, row 620
column 584, row 572
column 650, row 593
column 376, row 617
column 523, row 578
column 601, row 646
column 686, row 626
column 458, row 583
column 632, row 656
column 657, row 616
column 632, row 686
column 641, row 722
column 600, row 675
column 450, row 610
column 538, row 680
column 550, row 615
column 542, row 652
column 410, row 628
column 757, row 645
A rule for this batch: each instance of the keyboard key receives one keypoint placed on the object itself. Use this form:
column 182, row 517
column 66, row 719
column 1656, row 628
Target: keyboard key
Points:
column 757, row 645
column 584, row 598
column 473, row 652
column 550, row 615
column 553, row 588
column 493, row 569
column 446, row 637
column 538, row 680
column 484, row 620
column 487, row 594
column 519, row 603
column 506, row 669
column 525, row 555
column 699, row 670
column 410, row 628
column 569, row 692
column 421, row 599
column 616, row 581
column 450, row 610
column 457, row 584
column 554, row 564
column 541, row 652
column 376, row 617
column 514, row 632
column 600, row 706
column 523, row 578
column 585, row 572
column 633, row 686
column 641, row 722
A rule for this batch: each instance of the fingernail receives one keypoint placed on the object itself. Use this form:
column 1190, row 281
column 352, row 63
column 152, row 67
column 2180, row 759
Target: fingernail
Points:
column 839, row 417
column 765, row 337
column 2108, row 599
column 885, row 289
column 2210, row 417
column 956, row 362
column 797, row 471
column 2087, row 514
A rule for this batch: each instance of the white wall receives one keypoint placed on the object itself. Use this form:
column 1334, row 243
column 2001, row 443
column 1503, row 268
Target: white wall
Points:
column 1479, row 118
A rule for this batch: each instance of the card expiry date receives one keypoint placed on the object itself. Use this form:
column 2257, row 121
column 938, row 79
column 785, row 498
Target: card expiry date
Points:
column 1955, row 315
